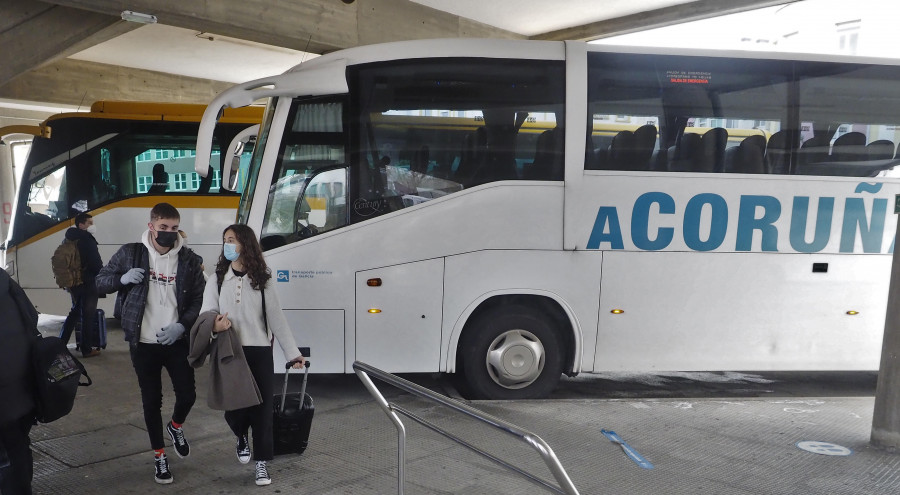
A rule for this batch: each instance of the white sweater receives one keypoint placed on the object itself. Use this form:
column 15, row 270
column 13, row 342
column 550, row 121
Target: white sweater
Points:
column 244, row 307
column 162, row 305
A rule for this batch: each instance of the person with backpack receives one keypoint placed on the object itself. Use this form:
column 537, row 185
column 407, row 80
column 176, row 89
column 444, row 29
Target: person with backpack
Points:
column 162, row 282
column 83, row 268
column 17, row 332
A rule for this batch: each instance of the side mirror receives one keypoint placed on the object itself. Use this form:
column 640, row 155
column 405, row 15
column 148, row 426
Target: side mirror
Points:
column 232, row 162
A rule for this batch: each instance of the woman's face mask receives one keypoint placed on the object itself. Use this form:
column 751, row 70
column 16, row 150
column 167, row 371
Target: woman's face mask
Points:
column 230, row 251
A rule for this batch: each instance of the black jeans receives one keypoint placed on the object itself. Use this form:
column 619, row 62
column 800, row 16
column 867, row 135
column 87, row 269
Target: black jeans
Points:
column 16, row 461
column 84, row 309
column 149, row 361
column 258, row 417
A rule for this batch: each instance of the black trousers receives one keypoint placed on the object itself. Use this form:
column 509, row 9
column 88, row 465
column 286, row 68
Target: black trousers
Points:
column 84, row 309
column 149, row 361
column 16, row 461
column 258, row 417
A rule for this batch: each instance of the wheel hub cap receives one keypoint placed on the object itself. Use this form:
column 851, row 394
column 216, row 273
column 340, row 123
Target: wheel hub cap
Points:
column 515, row 359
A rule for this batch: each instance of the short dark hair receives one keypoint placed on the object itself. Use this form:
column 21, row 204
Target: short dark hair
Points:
column 164, row 210
column 81, row 218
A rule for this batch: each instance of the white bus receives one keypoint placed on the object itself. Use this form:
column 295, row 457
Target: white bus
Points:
column 512, row 211
column 102, row 162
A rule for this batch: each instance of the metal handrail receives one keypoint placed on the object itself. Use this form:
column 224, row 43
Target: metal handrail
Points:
column 363, row 370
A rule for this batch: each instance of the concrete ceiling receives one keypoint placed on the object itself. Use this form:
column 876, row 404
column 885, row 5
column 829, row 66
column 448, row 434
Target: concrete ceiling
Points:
column 68, row 53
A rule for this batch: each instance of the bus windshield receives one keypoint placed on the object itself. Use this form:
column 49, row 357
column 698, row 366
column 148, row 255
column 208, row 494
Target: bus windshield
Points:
column 89, row 162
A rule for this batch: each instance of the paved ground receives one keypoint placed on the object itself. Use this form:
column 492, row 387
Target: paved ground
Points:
column 704, row 433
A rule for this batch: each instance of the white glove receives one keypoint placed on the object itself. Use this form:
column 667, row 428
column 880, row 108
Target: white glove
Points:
column 133, row 276
column 170, row 334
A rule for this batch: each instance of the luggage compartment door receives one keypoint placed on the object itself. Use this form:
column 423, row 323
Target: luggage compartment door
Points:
column 398, row 323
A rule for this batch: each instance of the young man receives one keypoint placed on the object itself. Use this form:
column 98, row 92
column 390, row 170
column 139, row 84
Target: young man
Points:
column 84, row 296
column 164, row 283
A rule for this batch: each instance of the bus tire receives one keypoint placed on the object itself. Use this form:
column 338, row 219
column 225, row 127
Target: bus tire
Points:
column 511, row 353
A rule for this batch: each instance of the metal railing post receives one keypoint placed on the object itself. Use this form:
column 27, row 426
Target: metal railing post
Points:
column 401, row 430
column 363, row 371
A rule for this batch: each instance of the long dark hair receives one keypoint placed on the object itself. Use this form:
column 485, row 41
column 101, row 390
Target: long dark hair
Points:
column 251, row 257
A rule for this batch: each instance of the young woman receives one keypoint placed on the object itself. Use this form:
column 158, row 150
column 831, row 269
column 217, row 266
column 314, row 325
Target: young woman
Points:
column 236, row 294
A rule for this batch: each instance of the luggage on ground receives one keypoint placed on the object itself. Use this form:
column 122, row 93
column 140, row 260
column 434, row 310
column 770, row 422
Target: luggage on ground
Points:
column 293, row 417
column 99, row 333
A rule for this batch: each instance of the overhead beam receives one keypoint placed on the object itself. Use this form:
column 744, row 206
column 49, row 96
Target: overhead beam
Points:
column 74, row 82
column 38, row 33
column 316, row 26
column 678, row 14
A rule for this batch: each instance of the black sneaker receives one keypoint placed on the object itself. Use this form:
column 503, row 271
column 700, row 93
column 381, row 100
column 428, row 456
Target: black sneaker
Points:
column 178, row 441
column 262, row 474
column 163, row 475
column 243, row 449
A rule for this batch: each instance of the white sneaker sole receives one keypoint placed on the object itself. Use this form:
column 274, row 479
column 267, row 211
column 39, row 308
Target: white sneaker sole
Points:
column 264, row 482
column 163, row 482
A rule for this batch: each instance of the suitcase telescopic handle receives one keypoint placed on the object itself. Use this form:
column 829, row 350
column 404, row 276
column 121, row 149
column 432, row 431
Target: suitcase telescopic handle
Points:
column 287, row 373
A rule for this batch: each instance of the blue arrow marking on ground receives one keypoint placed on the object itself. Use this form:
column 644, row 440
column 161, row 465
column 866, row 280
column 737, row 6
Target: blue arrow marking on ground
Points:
column 630, row 452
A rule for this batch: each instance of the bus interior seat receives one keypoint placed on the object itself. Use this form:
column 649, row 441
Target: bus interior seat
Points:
column 645, row 143
column 882, row 149
column 683, row 154
column 712, row 151
column 474, row 146
column 547, row 164
column 850, row 147
column 497, row 160
column 814, row 150
column 747, row 157
column 621, row 152
column 778, row 151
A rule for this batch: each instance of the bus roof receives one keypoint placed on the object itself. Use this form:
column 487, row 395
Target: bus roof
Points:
column 547, row 50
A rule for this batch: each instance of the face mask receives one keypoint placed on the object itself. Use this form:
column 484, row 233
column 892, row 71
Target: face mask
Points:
column 230, row 251
column 166, row 239
column 92, row 229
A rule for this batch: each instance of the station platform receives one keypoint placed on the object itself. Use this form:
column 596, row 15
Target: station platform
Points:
column 708, row 445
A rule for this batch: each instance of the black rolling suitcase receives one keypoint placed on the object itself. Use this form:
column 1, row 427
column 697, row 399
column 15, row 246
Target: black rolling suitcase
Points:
column 293, row 417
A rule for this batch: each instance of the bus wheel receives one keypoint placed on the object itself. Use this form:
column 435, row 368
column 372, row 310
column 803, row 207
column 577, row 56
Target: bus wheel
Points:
column 511, row 353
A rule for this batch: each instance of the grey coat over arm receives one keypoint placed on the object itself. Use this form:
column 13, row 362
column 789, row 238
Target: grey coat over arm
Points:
column 231, row 384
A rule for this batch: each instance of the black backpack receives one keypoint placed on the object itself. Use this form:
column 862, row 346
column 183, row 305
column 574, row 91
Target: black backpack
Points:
column 57, row 377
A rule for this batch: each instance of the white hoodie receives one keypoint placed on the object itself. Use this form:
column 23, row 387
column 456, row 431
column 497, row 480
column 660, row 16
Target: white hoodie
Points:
column 162, row 306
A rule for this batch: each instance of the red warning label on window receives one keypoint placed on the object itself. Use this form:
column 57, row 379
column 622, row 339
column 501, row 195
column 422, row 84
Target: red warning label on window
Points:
column 688, row 77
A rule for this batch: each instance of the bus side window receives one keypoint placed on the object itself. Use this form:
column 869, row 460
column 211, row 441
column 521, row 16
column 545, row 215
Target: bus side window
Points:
column 429, row 128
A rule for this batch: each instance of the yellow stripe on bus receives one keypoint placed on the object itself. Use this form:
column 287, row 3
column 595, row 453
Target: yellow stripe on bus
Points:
column 209, row 202
column 172, row 112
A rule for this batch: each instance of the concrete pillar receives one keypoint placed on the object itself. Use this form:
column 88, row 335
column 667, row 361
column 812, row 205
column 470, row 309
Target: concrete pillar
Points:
column 886, row 417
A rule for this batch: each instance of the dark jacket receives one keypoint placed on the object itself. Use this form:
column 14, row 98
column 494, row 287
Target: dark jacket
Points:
column 18, row 329
column 231, row 383
column 91, row 263
column 189, row 287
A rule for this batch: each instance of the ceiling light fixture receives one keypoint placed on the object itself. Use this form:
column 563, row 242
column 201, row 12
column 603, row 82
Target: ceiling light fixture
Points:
column 132, row 16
